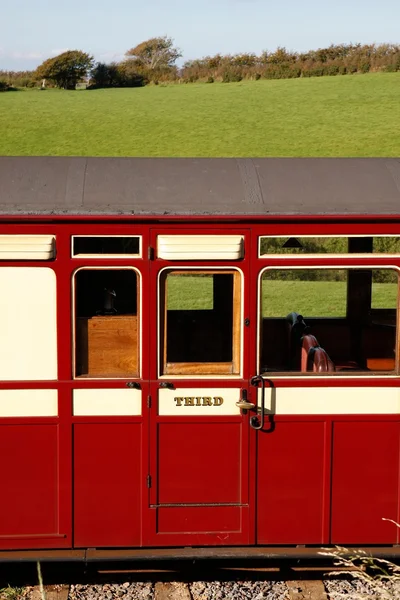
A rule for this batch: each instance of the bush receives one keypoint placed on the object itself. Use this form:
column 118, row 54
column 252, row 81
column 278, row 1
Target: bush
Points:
column 231, row 77
column 115, row 75
column 210, row 79
column 331, row 70
column 3, row 86
column 257, row 76
column 316, row 72
column 282, row 72
column 364, row 67
column 391, row 68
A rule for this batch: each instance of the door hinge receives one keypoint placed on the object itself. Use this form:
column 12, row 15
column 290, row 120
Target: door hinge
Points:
column 150, row 253
column 148, row 401
column 149, row 481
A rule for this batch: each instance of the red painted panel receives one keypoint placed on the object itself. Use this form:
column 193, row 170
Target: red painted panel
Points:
column 290, row 483
column 29, row 476
column 199, row 463
column 365, row 482
column 107, row 478
column 198, row 519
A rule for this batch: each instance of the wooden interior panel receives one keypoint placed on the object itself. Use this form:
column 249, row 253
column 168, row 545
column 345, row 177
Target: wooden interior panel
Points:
column 107, row 345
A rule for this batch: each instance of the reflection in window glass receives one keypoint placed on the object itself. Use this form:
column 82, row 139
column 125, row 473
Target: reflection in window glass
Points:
column 200, row 315
column 329, row 320
column 106, row 323
column 330, row 245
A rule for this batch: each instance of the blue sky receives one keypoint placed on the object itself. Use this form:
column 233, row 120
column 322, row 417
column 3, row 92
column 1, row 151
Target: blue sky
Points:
column 32, row 30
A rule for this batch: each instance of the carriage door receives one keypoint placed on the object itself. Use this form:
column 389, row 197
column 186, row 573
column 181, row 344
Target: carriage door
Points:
column 198, row 481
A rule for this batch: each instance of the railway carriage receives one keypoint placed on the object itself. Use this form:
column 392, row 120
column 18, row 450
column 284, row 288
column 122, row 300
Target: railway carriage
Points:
column 198, row 353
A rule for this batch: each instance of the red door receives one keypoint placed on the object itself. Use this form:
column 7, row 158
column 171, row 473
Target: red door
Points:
column 199, row 437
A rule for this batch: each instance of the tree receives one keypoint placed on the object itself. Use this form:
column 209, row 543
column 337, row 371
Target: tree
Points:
column 104, row 75
column 66, row 69
column 115, row 75
column 155, row 54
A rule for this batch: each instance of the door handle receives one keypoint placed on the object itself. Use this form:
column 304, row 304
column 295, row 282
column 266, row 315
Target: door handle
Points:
column 243, row 403
column 255, row 422
column 133, row 384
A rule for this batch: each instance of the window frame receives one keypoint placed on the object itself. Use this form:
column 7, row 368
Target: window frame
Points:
column 337, row 374
column 139, row 292
column 210, row 370
column 350, row 255
column 106, row 256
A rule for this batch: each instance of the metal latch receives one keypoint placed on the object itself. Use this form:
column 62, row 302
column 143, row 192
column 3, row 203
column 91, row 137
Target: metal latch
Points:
column 243, row 403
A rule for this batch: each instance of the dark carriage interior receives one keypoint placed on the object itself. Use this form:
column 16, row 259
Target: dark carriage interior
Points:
column 364, row 339
column 346, row 346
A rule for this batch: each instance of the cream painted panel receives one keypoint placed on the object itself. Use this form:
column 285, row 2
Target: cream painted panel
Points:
column 28, row 403
column 27, row 247
column 172, row 402
column 331, row 401
column 28, row 340
column 107, row 402
column 199, row 247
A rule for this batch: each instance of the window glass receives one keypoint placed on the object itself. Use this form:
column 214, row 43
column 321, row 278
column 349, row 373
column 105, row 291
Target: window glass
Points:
column 328, row 320
column 200, row 322
column 315, row 292
column 106, row 323
column 105, row 245
column 329, row 245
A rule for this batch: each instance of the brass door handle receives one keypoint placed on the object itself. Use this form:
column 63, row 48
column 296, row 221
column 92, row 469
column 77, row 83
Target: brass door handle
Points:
column 244, row 405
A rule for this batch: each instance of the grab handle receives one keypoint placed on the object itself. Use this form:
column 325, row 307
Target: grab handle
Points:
column 255, row 422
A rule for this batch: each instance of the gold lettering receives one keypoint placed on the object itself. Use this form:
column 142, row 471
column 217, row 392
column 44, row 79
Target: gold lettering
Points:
column 199, row 401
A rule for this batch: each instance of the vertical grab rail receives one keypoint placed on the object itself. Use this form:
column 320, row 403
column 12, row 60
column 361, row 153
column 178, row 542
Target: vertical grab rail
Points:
column 255, row 423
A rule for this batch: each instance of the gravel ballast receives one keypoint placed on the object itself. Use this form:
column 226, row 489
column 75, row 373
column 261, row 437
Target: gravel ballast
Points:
column 335, row 589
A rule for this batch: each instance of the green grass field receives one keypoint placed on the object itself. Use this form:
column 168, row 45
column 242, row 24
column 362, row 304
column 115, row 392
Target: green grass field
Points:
column 279, row 298
column 329, row 116
column 318, row 298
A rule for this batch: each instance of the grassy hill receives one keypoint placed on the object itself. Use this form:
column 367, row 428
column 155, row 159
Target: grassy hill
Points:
column 355, row 115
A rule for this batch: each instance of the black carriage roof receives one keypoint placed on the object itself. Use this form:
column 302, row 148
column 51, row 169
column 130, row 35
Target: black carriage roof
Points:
column 199, row 186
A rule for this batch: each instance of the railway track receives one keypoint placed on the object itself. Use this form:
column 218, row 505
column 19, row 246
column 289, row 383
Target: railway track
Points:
column 186, row 582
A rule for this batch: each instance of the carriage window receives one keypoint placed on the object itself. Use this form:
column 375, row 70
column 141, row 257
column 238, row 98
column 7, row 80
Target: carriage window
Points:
column 200, row 322
column 99, row 246
column 106, row 323
column 329, row 321
column 329, row 245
